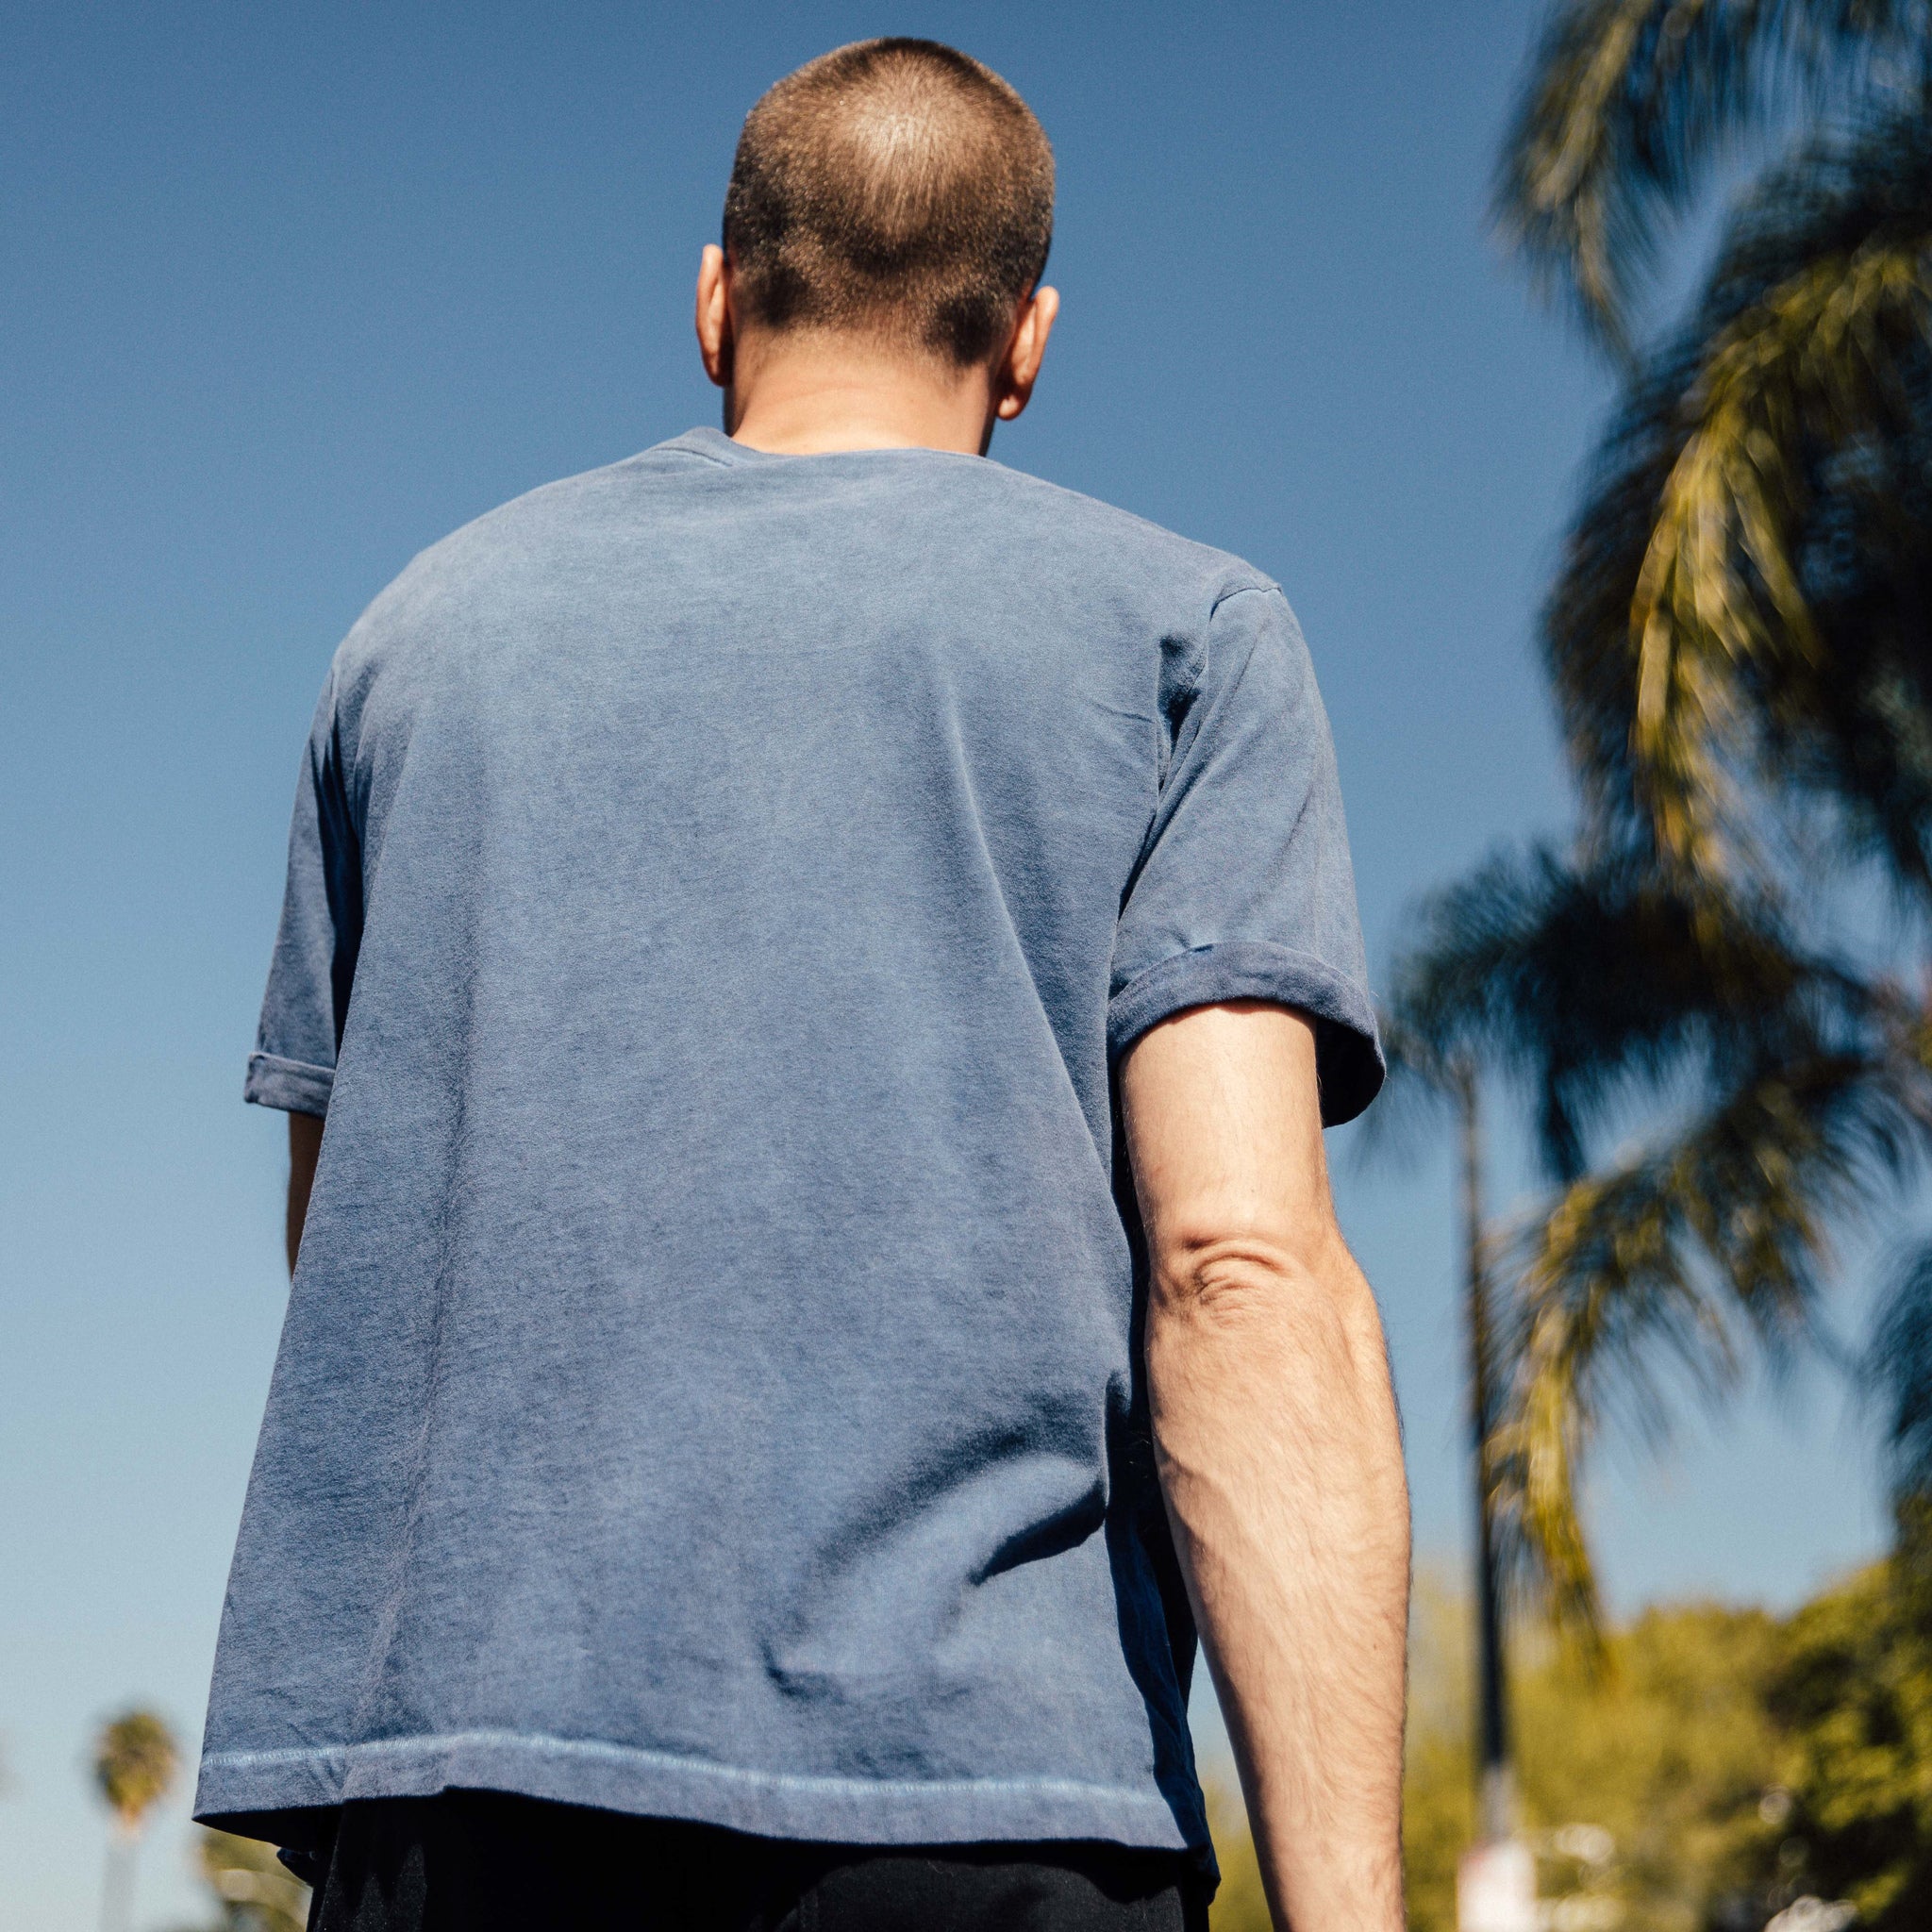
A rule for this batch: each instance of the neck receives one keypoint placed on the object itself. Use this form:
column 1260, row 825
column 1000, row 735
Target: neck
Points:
column 803, row 394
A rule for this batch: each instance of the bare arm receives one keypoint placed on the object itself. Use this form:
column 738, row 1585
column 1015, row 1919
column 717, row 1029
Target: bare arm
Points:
column 1279, row 1453
column 305, row 1148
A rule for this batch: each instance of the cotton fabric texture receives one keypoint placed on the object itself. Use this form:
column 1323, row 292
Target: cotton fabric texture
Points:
column 720, row 887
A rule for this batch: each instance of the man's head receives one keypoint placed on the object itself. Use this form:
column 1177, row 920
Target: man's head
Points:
column 891, row 205
column 895, row 188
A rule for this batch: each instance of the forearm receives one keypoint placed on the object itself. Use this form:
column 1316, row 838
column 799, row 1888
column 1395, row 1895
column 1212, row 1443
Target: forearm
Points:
column 1281, row 1460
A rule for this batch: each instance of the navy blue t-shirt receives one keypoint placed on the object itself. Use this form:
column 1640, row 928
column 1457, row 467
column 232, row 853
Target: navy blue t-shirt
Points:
column 720, row 886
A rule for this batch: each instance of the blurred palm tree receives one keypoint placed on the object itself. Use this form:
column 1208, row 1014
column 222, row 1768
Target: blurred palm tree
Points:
column 1739, row 645
column 1630, row 105
column 1796, row 1094
column 134, row 1762
column 1437, row 1066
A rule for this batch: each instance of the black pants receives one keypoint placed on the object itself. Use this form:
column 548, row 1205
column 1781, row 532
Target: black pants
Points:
column 484, row 1861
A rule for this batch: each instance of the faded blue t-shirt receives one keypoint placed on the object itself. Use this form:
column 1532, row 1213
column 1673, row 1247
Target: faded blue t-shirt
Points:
column 721, row 885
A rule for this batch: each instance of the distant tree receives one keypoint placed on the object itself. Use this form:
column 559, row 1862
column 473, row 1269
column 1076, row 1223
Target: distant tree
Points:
column 1242, row 1903
column 1441, row 1817
column 1727, row 1765
column 1647, row 1784
column 134, row 1762
column 1852, row 1697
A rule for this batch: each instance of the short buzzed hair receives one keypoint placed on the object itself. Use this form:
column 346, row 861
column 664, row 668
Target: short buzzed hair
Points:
column 895, row 187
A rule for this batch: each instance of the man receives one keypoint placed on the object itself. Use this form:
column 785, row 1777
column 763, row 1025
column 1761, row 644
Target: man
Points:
column 823, row 961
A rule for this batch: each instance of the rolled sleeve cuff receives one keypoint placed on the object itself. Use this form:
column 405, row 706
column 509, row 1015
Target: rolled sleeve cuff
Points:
column 293, row 1086
column 1348, row 1055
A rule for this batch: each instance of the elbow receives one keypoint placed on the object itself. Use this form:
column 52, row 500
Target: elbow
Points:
column 1215, row 1276
column 1215, row 1271
column 1254, row 1288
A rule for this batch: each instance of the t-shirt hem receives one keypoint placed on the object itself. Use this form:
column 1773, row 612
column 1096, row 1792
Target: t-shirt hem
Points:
column 293, row 1086
column 259, row 1786
column 1348, row 1054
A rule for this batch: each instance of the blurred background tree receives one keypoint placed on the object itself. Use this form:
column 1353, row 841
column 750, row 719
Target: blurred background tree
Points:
column 1852, row 1698
column 1739, row 643
column 134, row 1762
column 1729, row 955
column 1715, row 1768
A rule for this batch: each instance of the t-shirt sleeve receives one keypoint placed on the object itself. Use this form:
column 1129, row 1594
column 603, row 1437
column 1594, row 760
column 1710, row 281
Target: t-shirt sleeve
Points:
column 294, row 1065
column 1244, row 888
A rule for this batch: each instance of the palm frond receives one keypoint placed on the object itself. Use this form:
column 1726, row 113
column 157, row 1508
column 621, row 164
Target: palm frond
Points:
column 1415, row 1091
column 1866, row 749
column 1720, row 621
column 1581, row 980
column 1685, row 636
column 1688, row 1257
column 1898, row 1369
column 1625, row 104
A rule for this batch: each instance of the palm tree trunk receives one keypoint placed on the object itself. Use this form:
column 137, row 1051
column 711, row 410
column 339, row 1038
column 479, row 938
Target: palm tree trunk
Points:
column 117, row 1882
column 1496, row 1786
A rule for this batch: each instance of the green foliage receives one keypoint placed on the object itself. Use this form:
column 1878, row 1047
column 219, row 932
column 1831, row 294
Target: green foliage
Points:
column 1241, row 1905
column 1438, row 1793
column 1741, row 607
column 1671, row 1752
column 1628, row 102
column 1719, row 1764
column 1852, row 1699
column 134, row 1764
column 1740, row 647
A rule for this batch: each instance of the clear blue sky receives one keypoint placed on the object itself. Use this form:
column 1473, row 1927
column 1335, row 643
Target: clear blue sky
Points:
column 292, row 291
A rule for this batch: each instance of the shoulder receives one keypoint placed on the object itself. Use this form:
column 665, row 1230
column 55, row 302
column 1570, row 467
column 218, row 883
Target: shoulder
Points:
column 551, row 541
column 492, row 563
column 1212, row 612
column 1095, row 532
column 536, row 525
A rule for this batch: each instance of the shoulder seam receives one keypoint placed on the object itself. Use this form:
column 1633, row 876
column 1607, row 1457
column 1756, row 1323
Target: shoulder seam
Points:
column 1264, row 587
column 1243, row 591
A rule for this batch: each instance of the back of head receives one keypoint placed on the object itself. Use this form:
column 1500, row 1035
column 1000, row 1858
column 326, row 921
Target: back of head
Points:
column 895, row 188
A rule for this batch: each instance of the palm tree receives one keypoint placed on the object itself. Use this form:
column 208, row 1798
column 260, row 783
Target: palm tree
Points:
column 1801, row 1092
column 1629, row 104
column 1740, row 644
column 1443, row 1071
column 134, row 1764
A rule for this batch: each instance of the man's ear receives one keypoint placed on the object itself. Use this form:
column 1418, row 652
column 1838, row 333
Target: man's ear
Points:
column 716, row 335
column 1018, row 370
